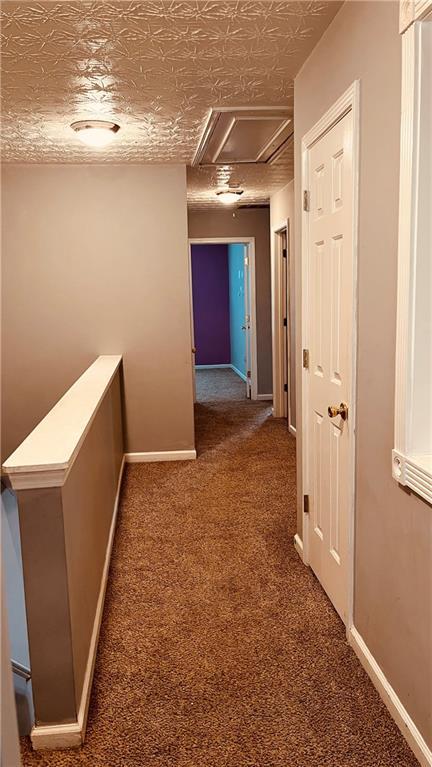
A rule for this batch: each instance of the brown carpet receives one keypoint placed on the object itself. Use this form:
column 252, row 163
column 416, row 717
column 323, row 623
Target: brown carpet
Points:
column 218, row 647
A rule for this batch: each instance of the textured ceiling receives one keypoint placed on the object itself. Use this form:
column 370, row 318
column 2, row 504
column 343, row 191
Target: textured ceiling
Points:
column 156, row 68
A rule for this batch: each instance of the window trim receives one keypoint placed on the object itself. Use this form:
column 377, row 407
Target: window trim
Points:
column 411, row 464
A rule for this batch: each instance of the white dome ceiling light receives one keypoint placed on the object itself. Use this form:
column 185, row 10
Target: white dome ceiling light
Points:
column 229, row 196
column 95, row 133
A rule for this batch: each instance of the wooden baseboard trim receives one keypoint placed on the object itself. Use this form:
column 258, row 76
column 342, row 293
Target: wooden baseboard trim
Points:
column 298, row 545
column 72, row 735
column 268, row 397
column 397, row 710
column 163, row 455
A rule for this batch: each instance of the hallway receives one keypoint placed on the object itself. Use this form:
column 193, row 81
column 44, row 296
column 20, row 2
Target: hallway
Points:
column 218, row 647
column 218, row 385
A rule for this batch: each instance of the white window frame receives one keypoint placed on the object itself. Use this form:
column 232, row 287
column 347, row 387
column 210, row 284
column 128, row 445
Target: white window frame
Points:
column 412, row 453
column 412, row 10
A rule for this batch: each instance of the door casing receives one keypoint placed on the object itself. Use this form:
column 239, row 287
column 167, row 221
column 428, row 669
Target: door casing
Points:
column 278, row 334
column 349, row 101
column 249, row 242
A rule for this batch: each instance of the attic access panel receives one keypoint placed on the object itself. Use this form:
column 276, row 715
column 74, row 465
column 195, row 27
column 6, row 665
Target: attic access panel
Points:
column 244, row 135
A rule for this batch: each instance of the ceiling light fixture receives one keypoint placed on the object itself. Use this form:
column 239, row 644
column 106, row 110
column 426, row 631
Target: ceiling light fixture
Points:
column 95, row 133
column 229, row 196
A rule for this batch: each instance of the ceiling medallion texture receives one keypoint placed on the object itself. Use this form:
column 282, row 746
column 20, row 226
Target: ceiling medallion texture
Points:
column 155, row 68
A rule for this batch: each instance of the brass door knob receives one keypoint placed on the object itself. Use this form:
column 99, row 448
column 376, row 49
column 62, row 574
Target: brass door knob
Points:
column 342, row 410
column 193, row 349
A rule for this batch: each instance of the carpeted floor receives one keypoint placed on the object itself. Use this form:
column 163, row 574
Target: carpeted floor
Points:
column 218, row 647
column 219, row 384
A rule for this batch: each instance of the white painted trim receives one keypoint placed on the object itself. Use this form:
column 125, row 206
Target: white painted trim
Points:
column 397, row 710
column 278, row 332
column 411, row 464
column 298, row 545
column 277, row 329
column 413, row 10
column 349, row 101
column 162, row 455
column 265, row 397
column 46, row 456
column 73, row 735
column 250, row 243
column 56, row 736
column 211, row 367
column 240, row 375
column 415, row 472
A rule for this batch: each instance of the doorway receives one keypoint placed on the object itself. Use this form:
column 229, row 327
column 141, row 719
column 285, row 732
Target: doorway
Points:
column 284, row 328
column 223, row 313
column 329, row 342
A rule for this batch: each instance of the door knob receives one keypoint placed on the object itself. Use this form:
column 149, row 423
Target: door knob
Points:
column 342, row 410
column 193, row 349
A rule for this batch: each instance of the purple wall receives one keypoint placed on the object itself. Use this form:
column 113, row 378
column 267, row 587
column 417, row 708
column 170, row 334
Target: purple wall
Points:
column 210, row 292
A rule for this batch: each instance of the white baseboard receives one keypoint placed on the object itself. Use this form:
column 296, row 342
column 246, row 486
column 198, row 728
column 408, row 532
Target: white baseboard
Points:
column 298, row 545
column 72, row 735
column 398, row 712
column 212, row 367
column 292, row 430
column 268, row 397
column 162, row 455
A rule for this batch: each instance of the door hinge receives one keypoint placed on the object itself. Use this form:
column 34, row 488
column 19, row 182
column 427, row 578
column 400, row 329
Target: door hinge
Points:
column 306, row 200
column 248, row 374
column 246, row 260
column 284, row 252
column 285, row 387
column 306, row 358
column 285, row 322
column 306, row 504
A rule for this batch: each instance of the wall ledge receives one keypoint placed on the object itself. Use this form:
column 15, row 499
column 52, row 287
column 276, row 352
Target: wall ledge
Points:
column 46, row 456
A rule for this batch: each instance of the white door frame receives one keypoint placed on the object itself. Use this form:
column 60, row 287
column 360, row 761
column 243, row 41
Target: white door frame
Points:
column 278, row 341
column 250, row 245
column 349, row 101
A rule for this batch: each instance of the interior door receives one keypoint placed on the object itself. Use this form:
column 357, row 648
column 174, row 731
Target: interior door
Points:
column 330, row 266
column 247, row 321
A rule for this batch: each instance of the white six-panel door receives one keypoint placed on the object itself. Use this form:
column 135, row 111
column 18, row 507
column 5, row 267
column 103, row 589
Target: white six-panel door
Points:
column 331, row 341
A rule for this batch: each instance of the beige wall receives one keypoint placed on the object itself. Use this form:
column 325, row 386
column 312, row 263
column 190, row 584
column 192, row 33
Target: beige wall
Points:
column 393, row 528
column 95, row 261
column 281, row 212
column 64, row 537
column 247, row 223
column 87, row 504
